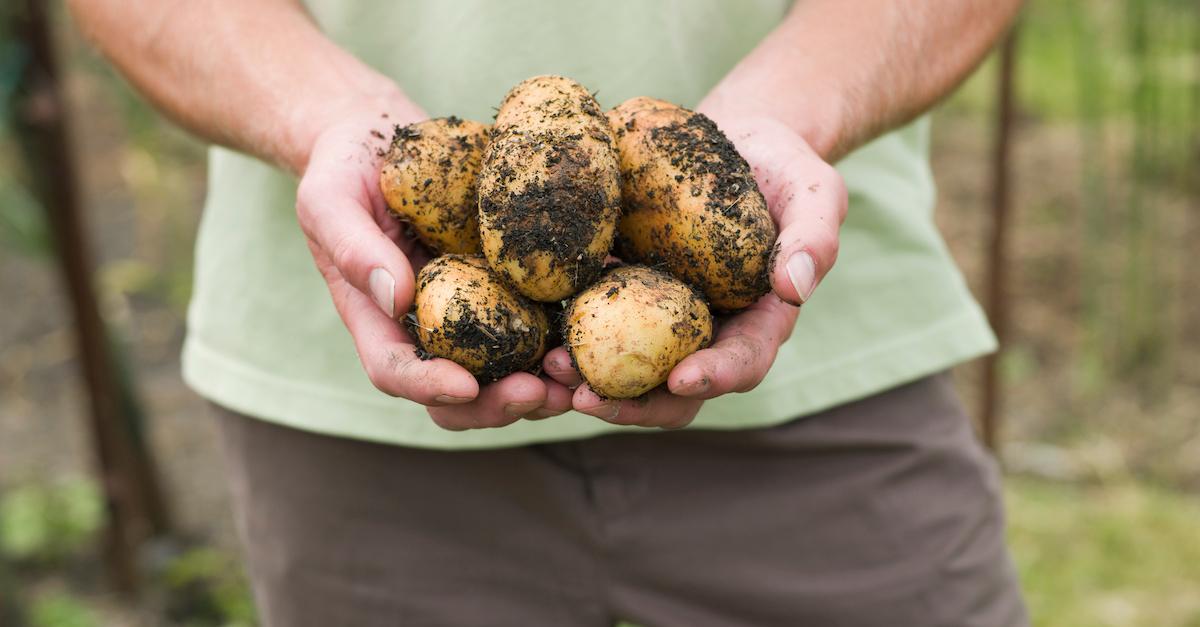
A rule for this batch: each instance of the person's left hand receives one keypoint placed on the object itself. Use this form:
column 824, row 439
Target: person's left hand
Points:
column 807, row 199
column 369, row 264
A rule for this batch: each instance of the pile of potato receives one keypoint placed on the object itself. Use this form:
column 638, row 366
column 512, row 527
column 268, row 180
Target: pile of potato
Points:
column 527, row 213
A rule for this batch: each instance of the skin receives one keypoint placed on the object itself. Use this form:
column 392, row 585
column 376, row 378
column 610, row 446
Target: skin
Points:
column 310, row 107
column 429, row 179
column 822, row 83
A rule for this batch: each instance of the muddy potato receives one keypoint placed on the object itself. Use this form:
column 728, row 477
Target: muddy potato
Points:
column 465, row 313
column 429, row 179
column 691, row 205
column 549, row 195
column 628, row 330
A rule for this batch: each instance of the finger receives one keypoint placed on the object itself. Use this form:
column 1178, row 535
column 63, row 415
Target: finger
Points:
column 657, row 408
column 809, row 210
column 498, row 404
column 557, row 363
column 742, row 354
column 807, row 199
column 387, row 352
column 558, row 401
column 340, row 222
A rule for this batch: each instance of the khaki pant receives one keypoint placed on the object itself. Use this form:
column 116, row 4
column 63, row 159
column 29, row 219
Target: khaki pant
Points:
column 881, row 512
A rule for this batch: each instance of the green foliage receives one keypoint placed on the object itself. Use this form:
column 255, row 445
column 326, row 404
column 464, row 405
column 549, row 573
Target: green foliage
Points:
column 1058, row 35
column 45, row 523
column 206, row 587
column 1125, row 76
column 1122, row 555
column 22, row 224
column 61, row 610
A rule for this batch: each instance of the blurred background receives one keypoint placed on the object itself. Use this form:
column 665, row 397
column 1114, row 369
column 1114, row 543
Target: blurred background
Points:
column 1089, row 181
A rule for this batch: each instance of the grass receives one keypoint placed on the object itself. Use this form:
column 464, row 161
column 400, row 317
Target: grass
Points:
column 1059, row 36
column 1121, row 553
column 1124, row 554
column 61, row 610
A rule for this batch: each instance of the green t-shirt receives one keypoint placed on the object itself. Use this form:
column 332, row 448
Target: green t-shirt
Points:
column 264, row 338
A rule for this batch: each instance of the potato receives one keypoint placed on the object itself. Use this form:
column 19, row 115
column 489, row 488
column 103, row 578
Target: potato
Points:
column 628, row 330
column 467, row 314
column 430, row 180
column 691, row 205
column 549, row 197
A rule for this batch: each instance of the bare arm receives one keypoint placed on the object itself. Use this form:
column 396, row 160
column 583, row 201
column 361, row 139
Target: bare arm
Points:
column 834, row 75
column 255, row 75
column 258, row 76
column 841, row 72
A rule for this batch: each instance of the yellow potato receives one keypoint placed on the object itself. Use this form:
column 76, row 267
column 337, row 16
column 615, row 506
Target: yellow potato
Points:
column 691, row 205
column 629, row 329
column 430, row 177
column 465, row 313
column 549, row 195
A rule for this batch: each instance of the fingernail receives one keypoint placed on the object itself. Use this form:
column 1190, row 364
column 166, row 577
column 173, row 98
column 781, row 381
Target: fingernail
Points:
column 516, row 410
column 544, row 413
column 608, row 411
column 696, row 386
column 446, row 399
column 803, row 274
column 383, row 290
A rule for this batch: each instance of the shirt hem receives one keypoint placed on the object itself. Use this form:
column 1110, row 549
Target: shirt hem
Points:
column 250, row 390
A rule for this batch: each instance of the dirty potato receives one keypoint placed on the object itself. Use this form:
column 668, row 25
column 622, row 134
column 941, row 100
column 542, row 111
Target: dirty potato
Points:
column 628, row 330
column 430, row 177
column 549, row 196
column 465, row 313
column 691, row 205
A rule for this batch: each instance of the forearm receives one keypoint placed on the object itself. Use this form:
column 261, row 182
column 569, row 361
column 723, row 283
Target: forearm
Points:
column 255, row 75
column 841, row 72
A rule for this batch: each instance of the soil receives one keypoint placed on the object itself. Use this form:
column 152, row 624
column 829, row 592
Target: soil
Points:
column 733, row 221
column 555, row 207
column 42, row 409
column 445, row 216
column 501, row 339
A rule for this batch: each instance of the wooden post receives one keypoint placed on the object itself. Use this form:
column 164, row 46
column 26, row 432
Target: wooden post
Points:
column 998, row 259
column 135, row 507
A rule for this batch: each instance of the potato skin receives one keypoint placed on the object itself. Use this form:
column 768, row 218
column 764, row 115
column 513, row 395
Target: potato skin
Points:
column 629, row 329
column 549, row 195
column 430, row 179
column 465, row 313
column 691, row 204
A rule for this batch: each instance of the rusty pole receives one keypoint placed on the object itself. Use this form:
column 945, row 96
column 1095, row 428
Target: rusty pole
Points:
column 997, row 301
column 134, row 502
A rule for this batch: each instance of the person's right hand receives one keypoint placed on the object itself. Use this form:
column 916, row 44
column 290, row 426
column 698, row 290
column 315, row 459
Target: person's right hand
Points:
column 369, row 265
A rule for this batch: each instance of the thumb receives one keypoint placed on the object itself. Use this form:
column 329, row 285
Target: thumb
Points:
column 810, row 219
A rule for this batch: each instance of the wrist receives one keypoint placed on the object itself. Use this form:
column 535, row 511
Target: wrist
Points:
column 306, row 122
column 819, row 121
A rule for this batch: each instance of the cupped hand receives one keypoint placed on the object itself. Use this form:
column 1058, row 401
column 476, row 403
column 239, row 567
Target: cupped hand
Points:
column 369, row 265
column 807, row 199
